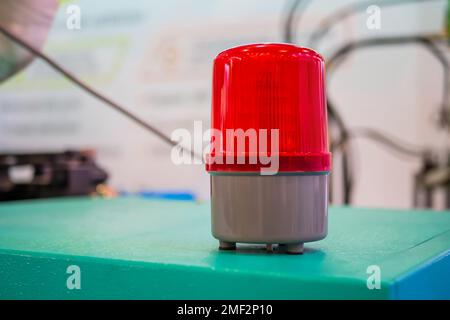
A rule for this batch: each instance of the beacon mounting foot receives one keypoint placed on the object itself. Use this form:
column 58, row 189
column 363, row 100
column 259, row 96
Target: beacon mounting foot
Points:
column 294, row 248
column 224, row 245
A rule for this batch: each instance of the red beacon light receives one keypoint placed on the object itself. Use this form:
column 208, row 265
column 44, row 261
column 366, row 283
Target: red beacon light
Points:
column 269, row 159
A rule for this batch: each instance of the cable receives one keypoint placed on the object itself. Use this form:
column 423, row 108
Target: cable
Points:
column 288, row 30
column 347, row 155
column 390, row 142
column 425, row 41
column 326, row 24
column 293, row 19
column 93, row 92
column 346, row 135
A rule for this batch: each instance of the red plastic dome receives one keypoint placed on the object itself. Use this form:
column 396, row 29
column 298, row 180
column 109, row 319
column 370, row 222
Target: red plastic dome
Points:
column 271, row 86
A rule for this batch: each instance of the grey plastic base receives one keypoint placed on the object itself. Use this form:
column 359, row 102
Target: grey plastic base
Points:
column 282, row 209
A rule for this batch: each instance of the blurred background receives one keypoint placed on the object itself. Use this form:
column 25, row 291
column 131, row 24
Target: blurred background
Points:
column 390, row 135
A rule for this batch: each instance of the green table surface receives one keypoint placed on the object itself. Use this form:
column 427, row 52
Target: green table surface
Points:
column 138, row 248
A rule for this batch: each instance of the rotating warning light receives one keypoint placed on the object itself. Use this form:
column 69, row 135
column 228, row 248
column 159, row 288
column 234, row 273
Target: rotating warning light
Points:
column 269, row 159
